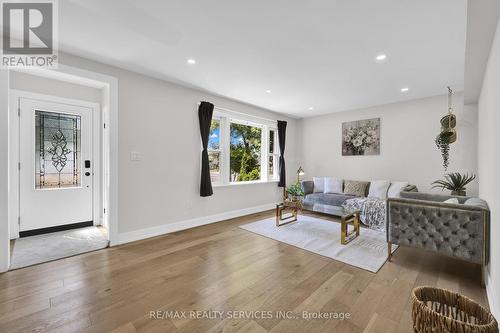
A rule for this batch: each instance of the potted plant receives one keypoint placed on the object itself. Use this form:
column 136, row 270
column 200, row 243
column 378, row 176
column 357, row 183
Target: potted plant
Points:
column 455, row 182
column 295, row 191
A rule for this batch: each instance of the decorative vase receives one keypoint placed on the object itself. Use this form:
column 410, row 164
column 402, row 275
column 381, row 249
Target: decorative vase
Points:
column 460, row 193
column 359, row 151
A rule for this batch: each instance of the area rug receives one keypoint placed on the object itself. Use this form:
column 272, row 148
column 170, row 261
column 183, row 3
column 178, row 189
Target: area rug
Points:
column 368, row 251
column 42, row 248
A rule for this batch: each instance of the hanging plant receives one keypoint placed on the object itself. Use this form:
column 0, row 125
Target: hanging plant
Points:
column 444, row 147
column 448, row 133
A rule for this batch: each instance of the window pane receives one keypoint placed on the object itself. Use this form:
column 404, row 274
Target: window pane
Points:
column 214, row 138
column 57, row 150
column 245, row 144
column 271, row 142
column 271, row 167
column 214, row 162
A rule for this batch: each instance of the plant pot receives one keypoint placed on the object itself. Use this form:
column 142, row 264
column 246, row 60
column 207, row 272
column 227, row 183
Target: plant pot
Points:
column 448, row 135
column 460, row 193
column 449, row 121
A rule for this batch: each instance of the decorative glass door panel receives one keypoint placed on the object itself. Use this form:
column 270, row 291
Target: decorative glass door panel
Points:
column 57, row 150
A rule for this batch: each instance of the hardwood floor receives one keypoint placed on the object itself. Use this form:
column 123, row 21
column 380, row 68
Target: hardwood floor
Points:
column 221, row 267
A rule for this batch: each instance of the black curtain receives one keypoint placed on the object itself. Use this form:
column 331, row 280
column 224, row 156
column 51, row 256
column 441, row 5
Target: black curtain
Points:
column 281, row 140
column 205, row 112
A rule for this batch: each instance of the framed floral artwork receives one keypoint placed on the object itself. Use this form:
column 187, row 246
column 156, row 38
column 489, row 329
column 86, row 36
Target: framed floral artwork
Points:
column 361, row 137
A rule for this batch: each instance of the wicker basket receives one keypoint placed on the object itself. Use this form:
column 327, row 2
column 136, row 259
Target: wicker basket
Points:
column 441, row 311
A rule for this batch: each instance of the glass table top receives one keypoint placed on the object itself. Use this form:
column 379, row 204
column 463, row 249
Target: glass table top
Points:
column 328, row 209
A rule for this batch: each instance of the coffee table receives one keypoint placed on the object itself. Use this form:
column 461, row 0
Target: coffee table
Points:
column 347, row 218
column 287, row 206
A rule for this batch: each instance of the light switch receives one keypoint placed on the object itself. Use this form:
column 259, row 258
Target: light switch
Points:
column 135, row 156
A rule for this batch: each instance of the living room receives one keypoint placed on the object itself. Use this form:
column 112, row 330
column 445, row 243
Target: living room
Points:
column 220, row 134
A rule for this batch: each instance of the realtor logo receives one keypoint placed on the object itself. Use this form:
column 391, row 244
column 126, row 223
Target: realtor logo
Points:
column 29, row 31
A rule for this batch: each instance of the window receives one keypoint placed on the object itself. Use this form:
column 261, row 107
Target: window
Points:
column 242, row 149
column 57, row 150
column 214, row 151
column 273, row 156
column 245, row 152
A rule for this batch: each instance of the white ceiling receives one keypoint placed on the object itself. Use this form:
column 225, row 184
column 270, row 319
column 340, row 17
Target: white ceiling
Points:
column 318, row 53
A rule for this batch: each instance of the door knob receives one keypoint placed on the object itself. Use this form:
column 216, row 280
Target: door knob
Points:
column 87, row 173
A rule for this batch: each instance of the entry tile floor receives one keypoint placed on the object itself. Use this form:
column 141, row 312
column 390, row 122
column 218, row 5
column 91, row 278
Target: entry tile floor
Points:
column 37, row 249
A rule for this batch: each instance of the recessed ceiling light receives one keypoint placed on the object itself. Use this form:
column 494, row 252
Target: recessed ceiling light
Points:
column 191, row 61
column 405, row 89
column 381, row 57
column 311, row 108
column 268, row 91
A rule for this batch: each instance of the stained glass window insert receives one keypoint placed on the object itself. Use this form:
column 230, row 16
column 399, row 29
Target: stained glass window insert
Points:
column 57, row 150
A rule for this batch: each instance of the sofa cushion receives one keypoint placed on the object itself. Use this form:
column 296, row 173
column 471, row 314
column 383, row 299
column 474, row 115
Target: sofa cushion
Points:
column 396, row 188
column 355, row 188
column 333, row 185
column 331, row 199
column 378, row 189
column 319, row 184
column 308, row 186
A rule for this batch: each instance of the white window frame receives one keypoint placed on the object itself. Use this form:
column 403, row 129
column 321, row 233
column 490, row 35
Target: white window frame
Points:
column 225, row 120
column 275, row 155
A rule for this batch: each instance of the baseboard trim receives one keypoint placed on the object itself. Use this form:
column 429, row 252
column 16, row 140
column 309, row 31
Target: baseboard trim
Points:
column 140, row 234
column 491, row 294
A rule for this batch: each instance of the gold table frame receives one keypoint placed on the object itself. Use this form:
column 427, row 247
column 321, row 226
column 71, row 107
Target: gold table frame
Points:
column 292, row 206
column 345, row 235
column 346, row 217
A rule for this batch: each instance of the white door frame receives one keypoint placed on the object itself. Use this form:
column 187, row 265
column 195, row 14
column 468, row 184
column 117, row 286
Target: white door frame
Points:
column 98, row 144
column 109, row 110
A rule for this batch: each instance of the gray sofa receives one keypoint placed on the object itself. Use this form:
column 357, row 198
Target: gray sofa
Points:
column 424, row 221
column 332, row 199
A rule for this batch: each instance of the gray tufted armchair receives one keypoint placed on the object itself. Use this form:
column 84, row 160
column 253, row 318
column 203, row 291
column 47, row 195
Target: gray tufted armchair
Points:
column 424, row 221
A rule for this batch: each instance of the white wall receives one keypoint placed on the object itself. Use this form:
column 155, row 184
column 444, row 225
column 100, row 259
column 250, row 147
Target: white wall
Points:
column 4, row 167
column 42, row 85
column 160, row 120
column 407, row 148
column 489, row 165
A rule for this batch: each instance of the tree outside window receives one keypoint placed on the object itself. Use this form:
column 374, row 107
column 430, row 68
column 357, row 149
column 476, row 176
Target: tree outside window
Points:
column 245, row 152
column 214, row 151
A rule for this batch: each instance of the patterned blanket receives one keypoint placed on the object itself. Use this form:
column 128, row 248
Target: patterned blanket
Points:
column 372, row 211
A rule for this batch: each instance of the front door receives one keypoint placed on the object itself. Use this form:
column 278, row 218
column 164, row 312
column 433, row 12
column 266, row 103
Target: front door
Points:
column 56, row 166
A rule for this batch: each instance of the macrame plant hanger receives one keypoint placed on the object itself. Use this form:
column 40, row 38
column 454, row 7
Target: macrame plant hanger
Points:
column 449, row 122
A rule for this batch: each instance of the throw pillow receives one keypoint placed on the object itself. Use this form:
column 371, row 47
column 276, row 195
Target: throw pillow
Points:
column 319, row 184
column 355, row 188
column 476, row 202
column 333, row 185
column 395, row 189
column 452, row 201
column 378, row 189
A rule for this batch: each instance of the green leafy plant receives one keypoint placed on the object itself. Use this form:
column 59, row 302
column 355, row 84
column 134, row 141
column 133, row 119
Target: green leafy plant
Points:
column 443, row 145
column 295, row 190
column 455, row 182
